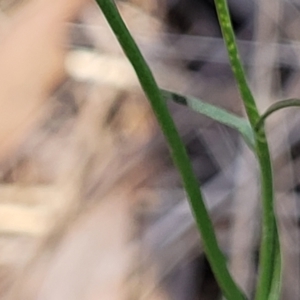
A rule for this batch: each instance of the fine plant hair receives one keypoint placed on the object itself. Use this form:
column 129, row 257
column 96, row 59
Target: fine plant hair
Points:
column 252, row 130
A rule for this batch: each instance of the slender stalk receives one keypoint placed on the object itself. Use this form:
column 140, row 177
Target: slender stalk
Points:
column 178, row 152
column 277, row 280
column 269, row 244
column 274, row 107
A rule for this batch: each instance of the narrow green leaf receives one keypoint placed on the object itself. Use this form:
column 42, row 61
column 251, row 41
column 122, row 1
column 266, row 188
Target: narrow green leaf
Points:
column 274, row 107
column 218, row 114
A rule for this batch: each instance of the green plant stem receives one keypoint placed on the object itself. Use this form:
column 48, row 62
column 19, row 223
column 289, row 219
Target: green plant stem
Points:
column 178, row 152
column 276, row 282
column 274, row 107
column 269, row 242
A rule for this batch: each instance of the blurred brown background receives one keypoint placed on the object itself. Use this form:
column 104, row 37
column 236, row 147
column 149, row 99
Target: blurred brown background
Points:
column 90, row 204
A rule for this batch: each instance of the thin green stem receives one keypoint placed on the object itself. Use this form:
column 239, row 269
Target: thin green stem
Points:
column 235, row 61
column 178, row 152
column 269, row 243
column 275, row 292
column 274, row 107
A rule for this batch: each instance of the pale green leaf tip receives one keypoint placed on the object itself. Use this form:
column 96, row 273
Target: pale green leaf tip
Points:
column 216, row 113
